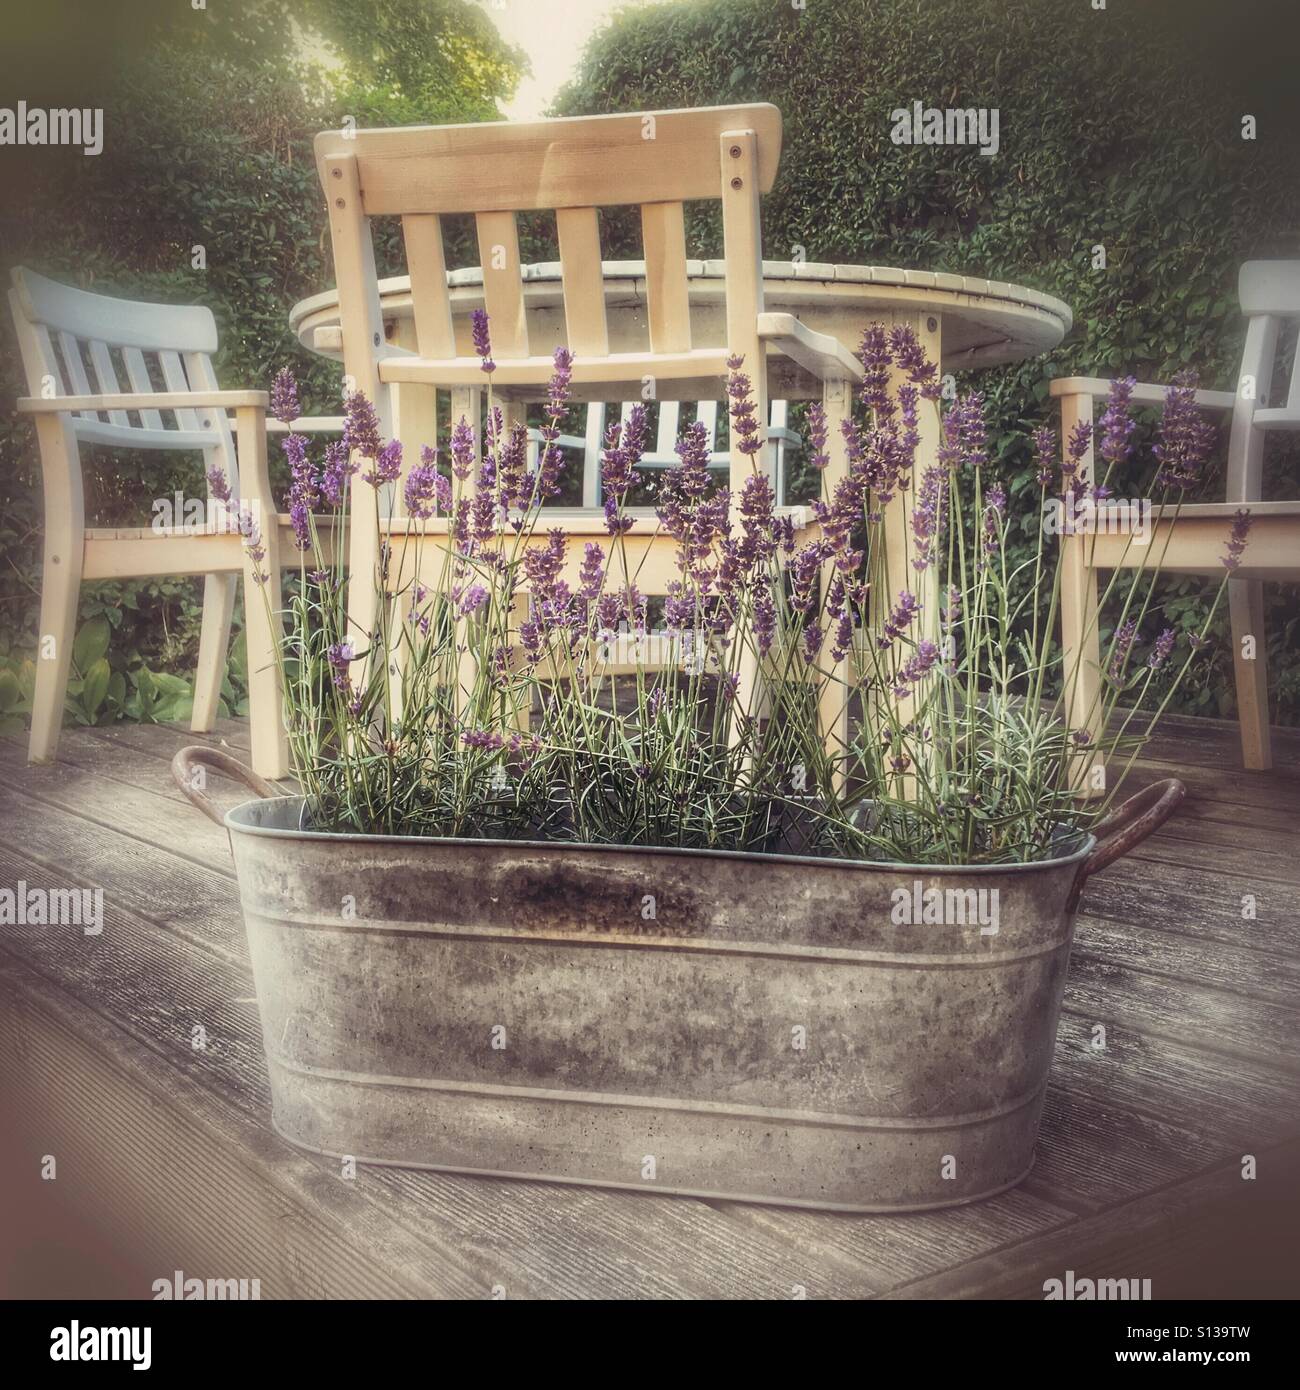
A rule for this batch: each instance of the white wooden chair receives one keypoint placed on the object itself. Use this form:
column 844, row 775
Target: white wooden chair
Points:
column 73, row 344
column 780, row 438
column 572, row 167
column 1194, row 543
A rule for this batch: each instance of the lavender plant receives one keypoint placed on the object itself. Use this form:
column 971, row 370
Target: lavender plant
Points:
column 481, row 703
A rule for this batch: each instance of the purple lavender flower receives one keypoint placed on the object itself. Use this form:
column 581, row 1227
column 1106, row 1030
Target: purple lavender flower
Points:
column 219, row 484
column 1163, row 645
column 473, row 599
column 910, row 357
column 340, row 657
column 1185, row 436
column 481, row 738
column 591, row 574
column 1045, row 454
column 907, row 607
column 284, row 397
column 1241, row 523
column 1121, row 645
column 462, row 449
column 426, row 489
column 304, row 488
column 336, row 472
column 875, row 356
column 551, row 459
column 916, row 668
column 624, row 447
column 482, row 341
column 744, row 423
column 1117, row 424
column 360, row 426
column 928, row 514
column 996, row 505
column 246, row 523
column 818, row 434
column 388, row 464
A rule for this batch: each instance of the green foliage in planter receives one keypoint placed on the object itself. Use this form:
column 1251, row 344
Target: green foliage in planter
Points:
column 1119, row 128
column 208, row 121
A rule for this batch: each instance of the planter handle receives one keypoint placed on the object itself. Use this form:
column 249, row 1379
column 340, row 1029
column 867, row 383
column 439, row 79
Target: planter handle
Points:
column 1128, row 825
column 187, row 762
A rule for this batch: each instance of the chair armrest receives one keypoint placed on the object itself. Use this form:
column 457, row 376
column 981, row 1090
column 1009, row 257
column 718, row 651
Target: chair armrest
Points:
column 147, row 400
column 825, row 357
column 308, row 424
column 1144, row 393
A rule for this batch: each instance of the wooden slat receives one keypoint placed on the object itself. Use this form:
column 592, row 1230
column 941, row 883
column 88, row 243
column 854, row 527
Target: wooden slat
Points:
column 75, row 369
column 582, row 161
column 427, row 263
column 503, row 284
column 176, row 381
column 101, row 362
column 668, row 430
column 668, row 308
column 584, row 281
column 137, row 375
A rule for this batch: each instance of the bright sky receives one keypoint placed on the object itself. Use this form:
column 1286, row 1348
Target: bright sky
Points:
column 553, row 34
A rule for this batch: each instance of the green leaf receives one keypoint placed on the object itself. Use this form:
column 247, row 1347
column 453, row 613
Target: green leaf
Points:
column 91, row 643
column 95, row 687
column 8, row 691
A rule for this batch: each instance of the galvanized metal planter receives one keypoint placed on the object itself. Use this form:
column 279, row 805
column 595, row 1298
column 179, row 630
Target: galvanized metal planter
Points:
column 764, row 1028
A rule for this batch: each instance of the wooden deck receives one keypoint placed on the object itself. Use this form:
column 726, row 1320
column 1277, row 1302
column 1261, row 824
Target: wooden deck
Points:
column 166, row 1159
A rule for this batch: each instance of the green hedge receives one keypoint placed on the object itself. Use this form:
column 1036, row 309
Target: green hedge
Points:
column 1119, row 127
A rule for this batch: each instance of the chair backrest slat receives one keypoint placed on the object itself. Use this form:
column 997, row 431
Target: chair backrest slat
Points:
column 427, row 259
column 174, row 379
column 584, row 281
column 579, row 161
column 503, row 283
column 75, row 370
column 708, row 416
column 668, row 308
column 137, row 373
column 101, row 361
column 666, row 436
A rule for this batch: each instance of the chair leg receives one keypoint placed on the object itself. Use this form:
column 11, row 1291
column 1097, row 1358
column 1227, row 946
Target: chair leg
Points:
column 60, row 592
column 263, row 597
column 1081, row 661
column 1246, row 606
column 214, row 644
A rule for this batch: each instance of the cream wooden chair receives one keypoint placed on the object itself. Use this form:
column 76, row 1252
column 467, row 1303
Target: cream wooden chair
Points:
column 1195, row 542
column 72, row 345
column 571, row 167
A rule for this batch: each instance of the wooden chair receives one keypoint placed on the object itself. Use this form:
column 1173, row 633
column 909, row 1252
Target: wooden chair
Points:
column 73, row 344
column 1194, row 542
column 780, row 438
column 571, row 167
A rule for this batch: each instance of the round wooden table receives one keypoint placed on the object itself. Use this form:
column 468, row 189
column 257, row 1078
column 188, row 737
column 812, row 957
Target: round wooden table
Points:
column 971, row 322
